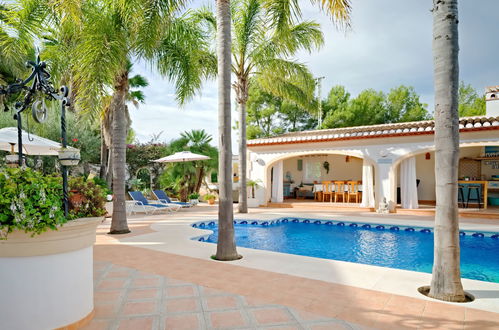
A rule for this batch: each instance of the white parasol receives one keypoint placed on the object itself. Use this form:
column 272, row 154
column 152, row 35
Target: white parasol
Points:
column 32, row 144
column 182, row 156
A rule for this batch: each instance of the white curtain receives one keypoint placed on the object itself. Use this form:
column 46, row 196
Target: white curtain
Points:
column 277, row 183
column 408, row 186
column 367, row 186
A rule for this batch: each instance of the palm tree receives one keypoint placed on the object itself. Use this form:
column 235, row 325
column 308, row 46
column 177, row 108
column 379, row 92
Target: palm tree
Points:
column 283, row 11
column 106, row 34
column 261, row 48
column 226, row 245
column 134, row 97
column 446, row 275
column 199, row 143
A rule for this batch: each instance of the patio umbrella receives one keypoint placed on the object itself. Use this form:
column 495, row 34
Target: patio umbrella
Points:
column 32, row 144
column 182, row 156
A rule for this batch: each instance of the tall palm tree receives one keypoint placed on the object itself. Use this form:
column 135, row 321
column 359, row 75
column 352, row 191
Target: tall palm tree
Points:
column 106, row 34
column 135, row 97
column 226, row 245
column 446, row 275
column 261, row 48
column 283, row 10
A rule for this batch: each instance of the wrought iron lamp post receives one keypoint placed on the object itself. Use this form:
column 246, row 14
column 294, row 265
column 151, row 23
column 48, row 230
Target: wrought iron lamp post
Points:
column 41, row 85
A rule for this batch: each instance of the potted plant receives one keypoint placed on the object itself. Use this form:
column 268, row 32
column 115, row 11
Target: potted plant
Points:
column 69, row 156
column 252, row 200
column 45, row 256
column 210, row 198
column 194, row 198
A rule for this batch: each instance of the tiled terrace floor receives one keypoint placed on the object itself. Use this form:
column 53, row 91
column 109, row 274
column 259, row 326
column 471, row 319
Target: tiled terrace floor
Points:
column 126, row 298
column 139, row 288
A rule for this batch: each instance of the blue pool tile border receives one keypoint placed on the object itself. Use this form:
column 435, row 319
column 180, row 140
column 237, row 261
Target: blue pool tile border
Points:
column 207, row 224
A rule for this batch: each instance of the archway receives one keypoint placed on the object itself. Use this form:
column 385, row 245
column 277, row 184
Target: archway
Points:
column 302, row 169
column 470, row 152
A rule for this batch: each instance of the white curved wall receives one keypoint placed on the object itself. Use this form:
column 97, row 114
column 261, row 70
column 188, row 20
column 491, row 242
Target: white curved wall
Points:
column 46, row 292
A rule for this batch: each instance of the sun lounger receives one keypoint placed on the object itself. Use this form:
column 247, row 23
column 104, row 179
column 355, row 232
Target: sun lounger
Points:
column 141, row 204
column 163, row 198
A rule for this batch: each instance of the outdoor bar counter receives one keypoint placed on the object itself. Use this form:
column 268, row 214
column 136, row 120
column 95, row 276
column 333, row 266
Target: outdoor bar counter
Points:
column 483, row 190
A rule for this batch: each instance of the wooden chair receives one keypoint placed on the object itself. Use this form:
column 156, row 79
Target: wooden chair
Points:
column 353, row 190
column 339, row 191
column 327, row 190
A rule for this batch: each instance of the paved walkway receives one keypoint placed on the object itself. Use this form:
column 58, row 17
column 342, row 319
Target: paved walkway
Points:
column 126, row 298
column 142, row 288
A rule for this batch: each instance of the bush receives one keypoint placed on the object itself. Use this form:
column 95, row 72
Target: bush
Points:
column 207, row 197
column 30, row 201
column 87, row 199
column 194, row 196
column 103, row 184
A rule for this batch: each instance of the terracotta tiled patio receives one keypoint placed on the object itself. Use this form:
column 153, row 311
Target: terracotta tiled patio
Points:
column 139, row 288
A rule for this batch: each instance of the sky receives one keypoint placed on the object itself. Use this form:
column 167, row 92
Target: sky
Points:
column 389, row 45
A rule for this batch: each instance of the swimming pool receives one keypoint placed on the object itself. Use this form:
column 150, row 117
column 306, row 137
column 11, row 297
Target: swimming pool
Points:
column 401, row 247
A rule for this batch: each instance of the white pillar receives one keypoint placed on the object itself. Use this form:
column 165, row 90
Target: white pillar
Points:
column 367, row 186
column 277, row 183
column 408, row 186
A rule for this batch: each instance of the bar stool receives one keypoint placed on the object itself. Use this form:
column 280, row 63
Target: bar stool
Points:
column 476, row 189
column 460, row 196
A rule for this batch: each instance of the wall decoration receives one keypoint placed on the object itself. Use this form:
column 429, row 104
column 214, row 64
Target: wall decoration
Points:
column 326, row 166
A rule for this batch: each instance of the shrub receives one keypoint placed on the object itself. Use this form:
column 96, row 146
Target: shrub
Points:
column 87, row 198
column 194, row 196
column 30, row 201
column 207, row 197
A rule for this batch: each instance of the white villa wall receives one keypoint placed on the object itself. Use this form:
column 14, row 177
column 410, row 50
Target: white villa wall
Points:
column 339, row 169
column 425, row 171
column 385, row 154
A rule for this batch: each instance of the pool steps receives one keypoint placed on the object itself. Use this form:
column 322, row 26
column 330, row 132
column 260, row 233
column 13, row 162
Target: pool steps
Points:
column 206, row 224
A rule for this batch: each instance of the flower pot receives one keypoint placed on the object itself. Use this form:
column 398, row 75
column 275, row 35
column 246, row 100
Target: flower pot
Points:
column 211, row 201
column 76, row 199
column 69, row 157
column 47, row 280
column 194, row 201
column 253, row 202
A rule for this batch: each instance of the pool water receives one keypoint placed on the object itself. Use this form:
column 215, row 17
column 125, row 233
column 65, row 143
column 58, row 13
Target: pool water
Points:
column 371, row 246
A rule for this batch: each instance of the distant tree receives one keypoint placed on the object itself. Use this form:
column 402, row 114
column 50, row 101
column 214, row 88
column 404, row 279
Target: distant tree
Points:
column 371, row 107
column 271, row 115
column 403, row 105
column 368, row 108
column 471, row 103
column 295, row 118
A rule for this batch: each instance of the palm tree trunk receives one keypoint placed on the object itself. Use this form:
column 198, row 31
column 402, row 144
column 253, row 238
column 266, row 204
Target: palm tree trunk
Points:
column 446, row 276
column 242, row 97
column 109, row 169
column 200, row 179
column 226, row 246
column 119, row 125
column 103, row 156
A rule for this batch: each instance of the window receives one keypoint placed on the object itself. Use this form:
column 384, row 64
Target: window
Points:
column 312, row 171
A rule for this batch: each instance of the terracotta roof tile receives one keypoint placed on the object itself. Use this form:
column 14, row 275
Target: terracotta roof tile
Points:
column 409, row 128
